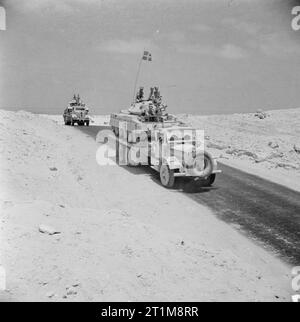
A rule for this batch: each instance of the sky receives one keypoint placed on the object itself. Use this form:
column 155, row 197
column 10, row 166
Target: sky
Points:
column 209, row 56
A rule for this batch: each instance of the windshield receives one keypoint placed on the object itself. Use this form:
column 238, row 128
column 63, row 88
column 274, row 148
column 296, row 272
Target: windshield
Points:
column 179, row 137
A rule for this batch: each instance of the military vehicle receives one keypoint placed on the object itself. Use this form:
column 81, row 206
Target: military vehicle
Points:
column 147, row 135
column 76, row 112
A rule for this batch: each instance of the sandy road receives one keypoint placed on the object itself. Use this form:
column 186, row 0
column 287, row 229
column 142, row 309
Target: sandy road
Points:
column 265, row 211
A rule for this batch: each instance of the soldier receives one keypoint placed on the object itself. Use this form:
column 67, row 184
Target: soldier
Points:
column 157, row 97
column 140, row 95
column 151, row 95
column 156, row 92
column 151, row 109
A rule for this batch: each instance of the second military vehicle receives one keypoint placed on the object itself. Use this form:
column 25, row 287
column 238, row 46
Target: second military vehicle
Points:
column 76, row 112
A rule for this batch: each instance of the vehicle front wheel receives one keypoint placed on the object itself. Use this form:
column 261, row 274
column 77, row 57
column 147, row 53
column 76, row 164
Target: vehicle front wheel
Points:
column 167, row 177
column 208, row 181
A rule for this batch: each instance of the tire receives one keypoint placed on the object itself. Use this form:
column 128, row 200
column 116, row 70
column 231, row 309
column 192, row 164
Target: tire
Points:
column 208, row 181
column 167, row 177
column 208, row 167
column 87, row 123
column 72, row 123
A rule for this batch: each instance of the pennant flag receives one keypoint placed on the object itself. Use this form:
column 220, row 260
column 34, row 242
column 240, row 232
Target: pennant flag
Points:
column 147, row 56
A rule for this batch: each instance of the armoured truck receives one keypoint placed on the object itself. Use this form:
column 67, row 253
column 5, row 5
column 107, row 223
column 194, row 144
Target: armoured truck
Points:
column 147, row 135
column 76, row 112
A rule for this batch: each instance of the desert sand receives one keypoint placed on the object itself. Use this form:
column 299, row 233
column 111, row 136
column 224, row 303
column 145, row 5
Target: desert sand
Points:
column 72, row 230
column 268, row 147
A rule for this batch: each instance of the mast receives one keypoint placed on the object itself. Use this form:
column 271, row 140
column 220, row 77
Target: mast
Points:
column 136, row 77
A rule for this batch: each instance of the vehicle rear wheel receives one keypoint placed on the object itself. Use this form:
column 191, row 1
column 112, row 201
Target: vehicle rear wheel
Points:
column 87, row 123
column 167, row 177
column 72, row 123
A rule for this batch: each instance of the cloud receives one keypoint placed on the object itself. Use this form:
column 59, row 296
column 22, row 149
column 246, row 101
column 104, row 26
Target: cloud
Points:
column 279, row 45
column 201, row 28
column 263, row 38
column 231, row 51
column 241, row 26
column 36, row 5
column 196, row 50
column 227, row 51
column 61, row 6
column 133, row 46
column 274, row 44
column 175, row 36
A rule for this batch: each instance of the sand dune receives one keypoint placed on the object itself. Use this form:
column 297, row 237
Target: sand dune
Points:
column 268, row 147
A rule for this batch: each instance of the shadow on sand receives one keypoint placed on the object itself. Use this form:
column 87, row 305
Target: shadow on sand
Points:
column 182, row 184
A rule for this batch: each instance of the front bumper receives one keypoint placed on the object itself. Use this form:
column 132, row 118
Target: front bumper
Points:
column 78, row 119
